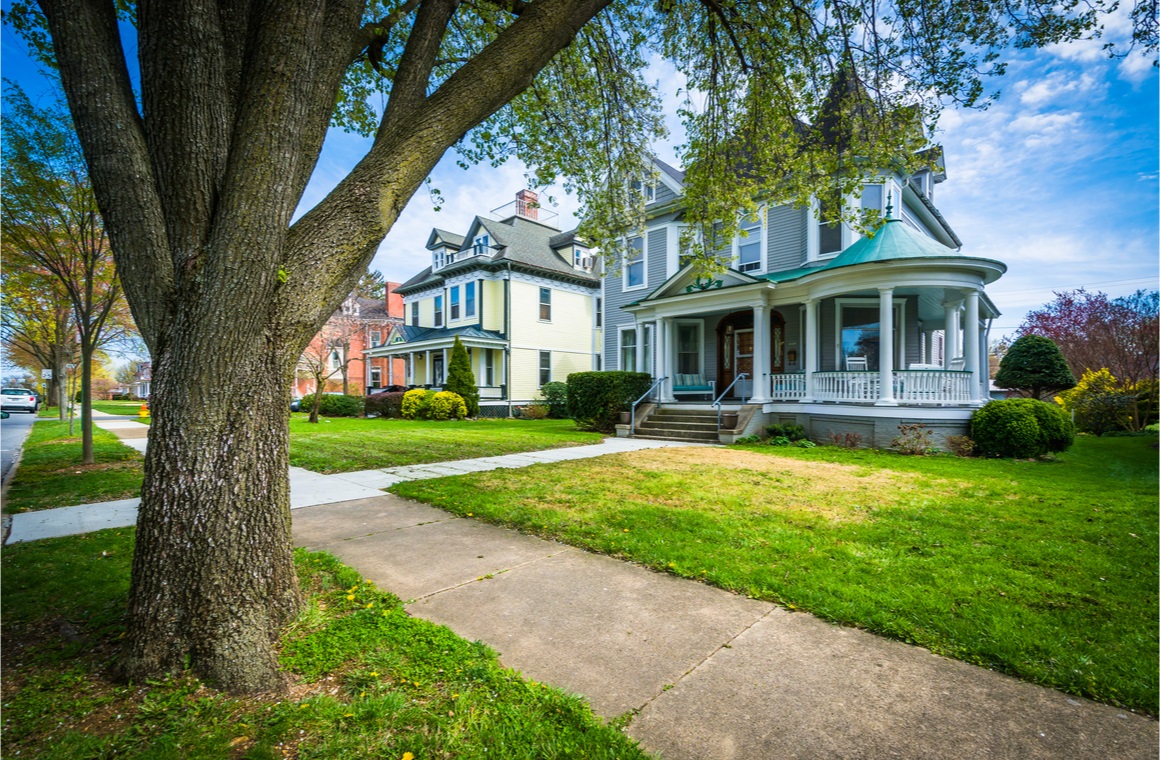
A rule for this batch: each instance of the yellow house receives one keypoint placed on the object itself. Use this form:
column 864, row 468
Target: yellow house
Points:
column 523, row 297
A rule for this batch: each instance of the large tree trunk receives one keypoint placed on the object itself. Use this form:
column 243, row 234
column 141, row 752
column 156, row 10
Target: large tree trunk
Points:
column 86, row 404
column 215, row 515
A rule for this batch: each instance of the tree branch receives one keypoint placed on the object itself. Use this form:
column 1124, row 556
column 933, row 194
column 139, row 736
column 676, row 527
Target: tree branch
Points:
column 414, row 71
column 96, row 81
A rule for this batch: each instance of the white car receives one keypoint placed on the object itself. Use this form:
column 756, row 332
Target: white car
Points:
column 20, row 399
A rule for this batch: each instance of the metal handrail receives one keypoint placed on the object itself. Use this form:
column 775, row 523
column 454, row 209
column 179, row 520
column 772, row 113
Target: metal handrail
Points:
column 717, row 403
column 632, row 425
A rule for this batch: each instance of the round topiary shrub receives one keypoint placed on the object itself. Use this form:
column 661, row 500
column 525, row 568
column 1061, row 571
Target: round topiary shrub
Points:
column 1055, row 429
column 416, row 404
column 446, row 405
column 1020, row 428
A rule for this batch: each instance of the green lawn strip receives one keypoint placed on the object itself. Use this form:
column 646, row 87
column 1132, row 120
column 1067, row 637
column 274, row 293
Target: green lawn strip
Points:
column 368, row 680
column 50, row 474
column 1046, row 570
column 125, row 408
column 346, row 445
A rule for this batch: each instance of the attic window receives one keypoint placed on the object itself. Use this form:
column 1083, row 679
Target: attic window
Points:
column 481, row 244
column 649, row 191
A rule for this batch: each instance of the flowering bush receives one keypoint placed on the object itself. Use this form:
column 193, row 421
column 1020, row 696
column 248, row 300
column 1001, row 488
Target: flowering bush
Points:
column 446, row 405
column 416, row 404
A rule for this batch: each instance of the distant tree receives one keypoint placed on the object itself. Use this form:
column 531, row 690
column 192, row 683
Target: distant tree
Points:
column 36, row 325
column 1094, row 331
column 328, row 355
column 372, row 285
column 51, row 223
column 1034, row 365
column 460, row 378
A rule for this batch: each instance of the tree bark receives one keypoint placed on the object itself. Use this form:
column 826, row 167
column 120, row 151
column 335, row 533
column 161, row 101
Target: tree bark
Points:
column 86, row 403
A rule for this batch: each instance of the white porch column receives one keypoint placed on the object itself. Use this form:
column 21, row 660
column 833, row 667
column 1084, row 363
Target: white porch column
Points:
column 810, row 349
column 886, row 347
column 948, row 334
column 972, row 342
column 760, row 354
column 640, row 357
column 665, row 364
column 427, row 367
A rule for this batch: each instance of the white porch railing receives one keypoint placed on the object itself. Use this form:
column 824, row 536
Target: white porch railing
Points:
column 851, row 387
column 909, row 387
column 788, row 387
column 925, row 386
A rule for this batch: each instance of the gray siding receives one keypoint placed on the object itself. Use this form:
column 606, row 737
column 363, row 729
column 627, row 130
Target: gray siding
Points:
column 785, row 234
column 615, row 317
column 663, row 194
column 658, row 242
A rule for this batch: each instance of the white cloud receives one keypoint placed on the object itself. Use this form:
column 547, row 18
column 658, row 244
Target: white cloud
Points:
column 1040, row 92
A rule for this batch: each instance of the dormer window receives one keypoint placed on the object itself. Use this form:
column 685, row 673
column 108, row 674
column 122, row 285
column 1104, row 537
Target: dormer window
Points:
column 649, row 191
column 438, row 258
column 481, row 244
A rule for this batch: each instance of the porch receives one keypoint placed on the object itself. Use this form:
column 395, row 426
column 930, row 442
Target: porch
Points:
column 915, row 387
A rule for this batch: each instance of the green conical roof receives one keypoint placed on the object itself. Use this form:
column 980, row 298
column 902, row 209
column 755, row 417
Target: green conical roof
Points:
column 894, row 240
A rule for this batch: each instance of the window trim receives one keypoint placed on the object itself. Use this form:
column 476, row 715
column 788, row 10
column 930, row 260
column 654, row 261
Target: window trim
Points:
column 700, row 325
column 548, row 354
column 438, row 305
column 453, row 303
column 899, row 334
column 414, row 313
column 488, row 368
column 469, row 299
column 762, row 213
column 544, row 303
column 620, row 347
column 598, row 316
column 626, row 264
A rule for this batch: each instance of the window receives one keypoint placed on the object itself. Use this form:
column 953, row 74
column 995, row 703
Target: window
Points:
column 455, row 302
column 688, row 348
column 628, row 350
column 469, row 299
column 545, row 304
column 596, row 362
column 415, row 314
column 488, row 367
column 481, row 244
column 749, row 243
column 438, row 311
column 634, row 275
column 545, row 367
column 599, row 311
column 872, row 197
column 859, row 333
column 376, row 337
column 829, row 228
column 438, row 258
column 437, row 368
column 648, row 190
column 376, row 377
column 335, row 360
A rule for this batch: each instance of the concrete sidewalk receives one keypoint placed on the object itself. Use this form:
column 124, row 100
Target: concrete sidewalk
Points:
column 307, row 488
column 707, row 673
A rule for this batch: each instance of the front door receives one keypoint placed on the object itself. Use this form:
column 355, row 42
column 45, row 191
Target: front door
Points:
column 743, row 363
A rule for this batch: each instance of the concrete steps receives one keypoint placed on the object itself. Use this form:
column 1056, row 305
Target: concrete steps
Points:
column 675, row 424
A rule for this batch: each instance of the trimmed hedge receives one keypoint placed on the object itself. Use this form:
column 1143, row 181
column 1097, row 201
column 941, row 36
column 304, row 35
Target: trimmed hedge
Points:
column 595, row 399
column 1020, row 428
column 446, row 405
column 386, row 405
column 416, row 403
column 334, row 405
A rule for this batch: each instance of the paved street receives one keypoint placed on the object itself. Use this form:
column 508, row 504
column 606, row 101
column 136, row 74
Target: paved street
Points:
column 13, row 431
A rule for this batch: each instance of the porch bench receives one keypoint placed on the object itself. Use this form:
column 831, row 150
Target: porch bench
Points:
column 693, row 384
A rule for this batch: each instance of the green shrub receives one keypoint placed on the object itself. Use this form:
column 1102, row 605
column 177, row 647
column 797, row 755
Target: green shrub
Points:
column 334, row 405
column 416, row 404
column 385, row 405
column 461, row 380
column 789, row 430
column 596, row 399
column 535, row 412
column 1020, row 428
column 446, row 405
column 555, row 395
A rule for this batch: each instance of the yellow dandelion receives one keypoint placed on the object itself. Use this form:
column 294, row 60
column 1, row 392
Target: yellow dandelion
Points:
column 374, row 674
column 408, row 756
column 626, row 530
column 371, row 604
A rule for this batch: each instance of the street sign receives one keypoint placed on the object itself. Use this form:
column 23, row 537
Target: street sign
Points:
column 46, row 374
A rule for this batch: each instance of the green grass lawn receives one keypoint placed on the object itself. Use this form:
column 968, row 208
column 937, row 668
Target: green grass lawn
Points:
column 368, row 680
column 1046, row 569
column 49, row 474
column 345, row 444
column 129, row 408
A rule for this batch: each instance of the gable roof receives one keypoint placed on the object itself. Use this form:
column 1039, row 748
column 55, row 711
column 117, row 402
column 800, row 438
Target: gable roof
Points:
column 440, row 237
column 516, row 242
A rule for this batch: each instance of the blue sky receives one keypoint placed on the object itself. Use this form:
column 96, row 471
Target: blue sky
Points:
column 1059, row 178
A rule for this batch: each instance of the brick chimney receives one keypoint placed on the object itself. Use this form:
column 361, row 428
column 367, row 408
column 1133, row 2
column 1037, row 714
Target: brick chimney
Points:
column 394, row 302
column 528, row 204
